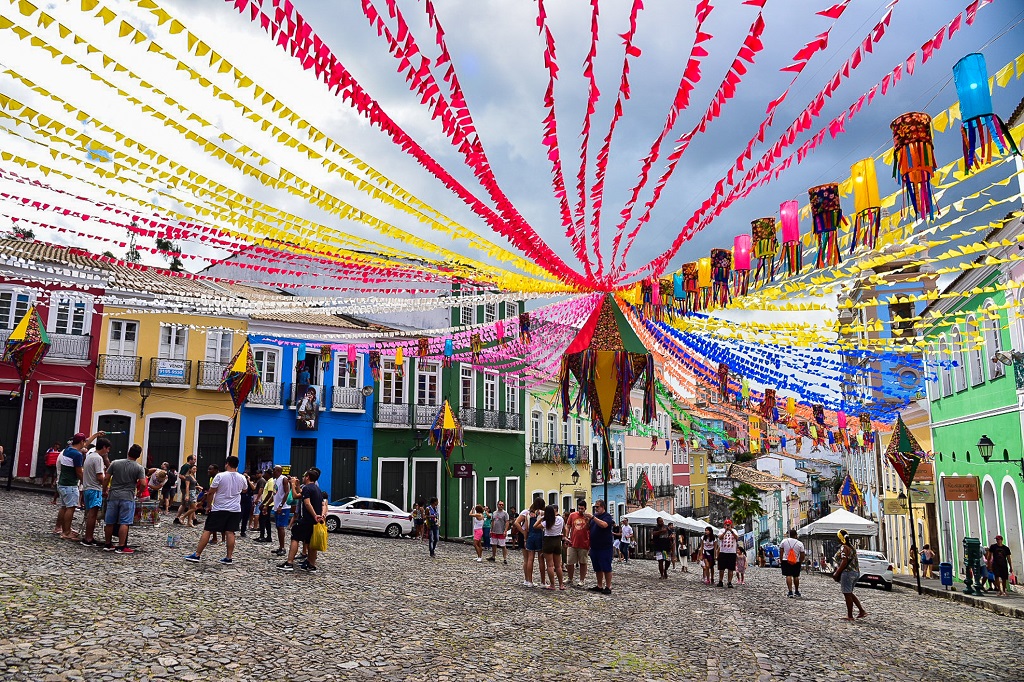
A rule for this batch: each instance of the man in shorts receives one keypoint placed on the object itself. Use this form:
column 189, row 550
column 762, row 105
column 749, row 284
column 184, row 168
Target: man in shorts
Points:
column 499, row 528
column 282, row 511
column 224, row 509
column 126, row 478
column 728, row 542
column 70, row 462
column 92, row 484
column 189, row 492
column 601, row 540
column 791, row 558
column 311, row 510
column 577, row 531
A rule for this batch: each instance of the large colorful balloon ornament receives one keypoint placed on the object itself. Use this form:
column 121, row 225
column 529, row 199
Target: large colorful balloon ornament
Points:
column 827, row 215
column 741, row 265
column 704, row 282
column 867, row 206
column 913, row 161
column 792, row 254
column 981, row 127
column 766, row 247
column 691, row 287
column 721, row 272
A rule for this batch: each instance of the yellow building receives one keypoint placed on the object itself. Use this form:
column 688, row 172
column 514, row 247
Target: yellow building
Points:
column 557, row 449
column 158, row 373
column 699, row 481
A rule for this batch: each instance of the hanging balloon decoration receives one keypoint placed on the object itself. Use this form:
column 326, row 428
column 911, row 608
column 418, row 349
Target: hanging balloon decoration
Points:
column 524, row 328
column 422, row 350
column 827, row 214
column 690, row 286
column 374, row 359
column 768, row 405
column 741, row 265
column 819, row 413
column 981, row 127
column 721, row 272
column 476, row 346
column 792, row 254
column 867, row 206
column 766, row 247
column 913, row 161
column 449, row 351
column 704, row 282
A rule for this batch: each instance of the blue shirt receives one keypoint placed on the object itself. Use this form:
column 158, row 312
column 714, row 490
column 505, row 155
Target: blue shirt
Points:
column 601, row 538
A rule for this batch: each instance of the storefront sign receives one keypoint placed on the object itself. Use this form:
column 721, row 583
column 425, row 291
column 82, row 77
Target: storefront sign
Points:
column 462, row 470
column 925, row 472
column 960, row 488
column 894, row 506
column 922, row 494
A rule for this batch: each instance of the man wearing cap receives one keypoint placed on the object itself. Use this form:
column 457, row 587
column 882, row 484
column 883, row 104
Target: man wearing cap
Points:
column 728, row 541
column 71, row 462
column 1002, row 565
column 93, row 481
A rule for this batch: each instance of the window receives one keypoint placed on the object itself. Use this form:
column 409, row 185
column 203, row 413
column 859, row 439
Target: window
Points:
column 123, row 337
column 579, row 432
column 490, row 391
column 551, row 428
column 69, row 316
column 218, row 346
column 466, row 393
column 944, row 356
column 13, row 307
column 535, row 427
column 511, row 396
column 490, row 312
column 904, row 328
column 960, row 371
column 346, row 378
column 392, row 386
column 173, row 342
column 428, row 381
column 993, row 340
column 466, row 315
column 630, row 475
column 266, row 362
column 974, row 341
column 565, row 432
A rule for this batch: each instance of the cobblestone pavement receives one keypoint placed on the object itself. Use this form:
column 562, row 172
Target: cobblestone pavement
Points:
column 383, row 610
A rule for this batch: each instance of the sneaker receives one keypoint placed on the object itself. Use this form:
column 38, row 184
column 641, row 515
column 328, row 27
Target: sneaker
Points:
column 226, row 560
column 527, row 583
column 505, row 562
column 309, row 568
column 720, row 584
column 124, row 550
column 729, row 586
column 595, row 588
column 108, row 547
column 606, row 590
column 478, row 559
column 797, row 593
column 278, row 552
column 88, row 543
column 287, row 567
column 789, row 594
column 193, row 557
column 302, row 558
column 490, row 558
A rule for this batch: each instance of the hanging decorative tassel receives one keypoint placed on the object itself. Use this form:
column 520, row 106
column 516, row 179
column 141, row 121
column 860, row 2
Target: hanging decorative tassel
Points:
column 325, row 356
column 791, row 407
column 745, row 392
column 350, row 358
column 690, row 286
column 656, row 301
column 668, row 303
column 865, row 422
column 704, row 282
column 792, row 250
column 422, row 350
column 624, row 378
column 646, row 300
column 981, row 127
column 524, row 328
column 564, row 384
column 827, row 214
column 741, row 265
column 449, row 351
column 679, row 294
column 867, row 206
column 477, row 347
column 766, row 247
column 841, row 420
column 721, row 272
column 768, row 404
column 723, row 379
column 819, row 413
column 399, row 362
column 499, row 331
column 375, row 364
column 650, row 396
column 913, row 161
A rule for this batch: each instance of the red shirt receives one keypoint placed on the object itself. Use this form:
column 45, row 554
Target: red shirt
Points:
column 579, row 531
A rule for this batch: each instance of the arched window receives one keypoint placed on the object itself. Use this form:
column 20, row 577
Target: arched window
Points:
column 976, row 355
column 552, row 438
column 943, row 370
column 535, row 426
column 960, row 371
column 993, row 340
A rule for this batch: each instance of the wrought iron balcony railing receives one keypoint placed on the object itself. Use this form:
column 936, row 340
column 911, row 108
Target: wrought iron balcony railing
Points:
column 69, row 346
column 344, row 398
column 118, row 369
column 210, row 374
column 558, row 453
column 170, row 372
column 472, row 417
column 270, row 396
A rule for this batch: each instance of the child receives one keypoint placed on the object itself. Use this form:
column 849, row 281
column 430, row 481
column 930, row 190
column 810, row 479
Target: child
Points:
column 741, row 565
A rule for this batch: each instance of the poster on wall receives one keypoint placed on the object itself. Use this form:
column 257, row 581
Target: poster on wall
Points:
column 307, row 415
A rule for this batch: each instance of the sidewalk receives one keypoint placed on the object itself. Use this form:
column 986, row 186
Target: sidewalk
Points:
column 1011, row 605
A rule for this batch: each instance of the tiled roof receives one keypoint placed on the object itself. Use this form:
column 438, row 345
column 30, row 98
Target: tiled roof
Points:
column 46, row 253
column 758, row 479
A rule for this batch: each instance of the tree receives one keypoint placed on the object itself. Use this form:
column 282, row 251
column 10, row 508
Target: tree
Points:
column 132, row 254
column 172, row 251
column 24, row 234
column 745, row 503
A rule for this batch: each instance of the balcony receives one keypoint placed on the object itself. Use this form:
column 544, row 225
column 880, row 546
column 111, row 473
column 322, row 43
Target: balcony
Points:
column 700, row 512
column 296, row 397
column 118, row 369
column 558, row 453
column 685, row 511
column 490, row 419
column 392, row 414
column 168, row 372
column 664, row 491
column 1018, row 373
column 347, row 399
column 425, row 415
column 270, row 396
column 210, row 375
column 69, row 346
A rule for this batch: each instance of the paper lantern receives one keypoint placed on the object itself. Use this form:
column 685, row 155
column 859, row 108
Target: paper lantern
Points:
column 704, row 281
column 666, row 293
column 819, row 413
column 723, row 379
column 766, row 247
column 449, row 351
column 981, row 127
column 867, row 206
column 827, row 216
column 913, row 161
column 792, row 252
column 741, row 264
column 499, row 331
column 689, row 271
column 767, row 410
column 301, row 354
column 721, row 271
column 841, row 419
column 325, row 355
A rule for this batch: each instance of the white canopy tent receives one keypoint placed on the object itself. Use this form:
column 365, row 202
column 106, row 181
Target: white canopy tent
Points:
column 648, row 516
column 688, row 524
column 839, row 520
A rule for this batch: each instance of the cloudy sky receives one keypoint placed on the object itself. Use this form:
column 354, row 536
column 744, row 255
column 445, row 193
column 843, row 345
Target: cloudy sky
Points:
column 499, row 59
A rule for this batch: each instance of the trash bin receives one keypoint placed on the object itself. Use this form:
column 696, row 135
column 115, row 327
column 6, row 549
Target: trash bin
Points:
column 946, row 574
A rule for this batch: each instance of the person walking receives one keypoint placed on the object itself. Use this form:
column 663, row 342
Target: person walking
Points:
column 552, row 524
column 189, row 493
column 223, row 510
column 662, row 541
column 258, row 484
column 791, row 555
column 728, row 542
column 534, row 545
column 499, row 529
column 927, row 561
column 846, row 574
column 626, row 540
column 126, row 479
column 246, row 502
column 311, row 510
column 282, row 507
column 92, row 488
column 708, row 549
column 433, row 525
column 601, row 540
column 266, row 521
column 418, row 525
column 478, row 530
column 915, row 558
column 577, row 534
column 50, row 473
column 1001, row 565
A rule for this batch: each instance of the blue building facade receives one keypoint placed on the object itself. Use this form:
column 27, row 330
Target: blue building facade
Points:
column 312, row 412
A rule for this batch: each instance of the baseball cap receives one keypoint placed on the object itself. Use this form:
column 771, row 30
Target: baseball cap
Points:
column 79, row 437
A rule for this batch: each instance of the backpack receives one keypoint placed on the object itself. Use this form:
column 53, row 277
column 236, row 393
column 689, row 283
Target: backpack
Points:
column 791, row 555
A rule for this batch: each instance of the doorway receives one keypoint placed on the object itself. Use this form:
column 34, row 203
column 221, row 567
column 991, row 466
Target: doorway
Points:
column 391, row 483
column 303, row 456
column 165, row 444
column 343, row 469
column 58, row 422
column 117, row 427
column 259, row 453
column 425, row 479
column 10, row 414
column 212, row 447
column 467, row 500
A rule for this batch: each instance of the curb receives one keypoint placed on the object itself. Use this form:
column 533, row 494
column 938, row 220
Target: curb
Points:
column 957, row 596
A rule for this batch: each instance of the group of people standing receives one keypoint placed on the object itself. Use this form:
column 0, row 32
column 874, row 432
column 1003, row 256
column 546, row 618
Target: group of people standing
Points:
column 725, row 552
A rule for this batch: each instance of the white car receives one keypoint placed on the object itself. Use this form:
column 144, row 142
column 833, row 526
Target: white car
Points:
column 368, row 514
column 875, row 569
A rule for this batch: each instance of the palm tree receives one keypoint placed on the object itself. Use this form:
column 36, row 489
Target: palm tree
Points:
column 745, row 503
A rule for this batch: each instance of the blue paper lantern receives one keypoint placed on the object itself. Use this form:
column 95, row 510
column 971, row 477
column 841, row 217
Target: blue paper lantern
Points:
column 301, row 355
column 981, row 127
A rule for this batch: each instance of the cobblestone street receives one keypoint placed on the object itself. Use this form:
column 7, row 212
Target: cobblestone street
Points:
column 382, row 609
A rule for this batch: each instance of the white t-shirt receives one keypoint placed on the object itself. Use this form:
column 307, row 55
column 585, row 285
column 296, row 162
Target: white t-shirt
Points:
column 282, row 484
column 229, row 486
column 790, row 544
column 556, row 529
column 727, row 543
column 627, row 533
column 478, row 524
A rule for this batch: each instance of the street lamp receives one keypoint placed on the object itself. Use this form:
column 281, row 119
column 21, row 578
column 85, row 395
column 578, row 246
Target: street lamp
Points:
column 145, row 390
column 575, row 480
column 986, row 446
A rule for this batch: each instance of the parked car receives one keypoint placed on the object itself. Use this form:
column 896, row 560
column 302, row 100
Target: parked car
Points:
column 875, row 569
column 771, row 556
column 368, row 514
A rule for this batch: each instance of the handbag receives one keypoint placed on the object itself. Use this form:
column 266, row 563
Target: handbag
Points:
column 319, row 540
